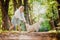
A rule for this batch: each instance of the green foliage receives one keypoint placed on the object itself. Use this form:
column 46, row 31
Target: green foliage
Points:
column 52, row 11
column 49, row 6
column 11, row 9
column 44, row 9
column 23, row 28
column 0, row 19
column 45, row 26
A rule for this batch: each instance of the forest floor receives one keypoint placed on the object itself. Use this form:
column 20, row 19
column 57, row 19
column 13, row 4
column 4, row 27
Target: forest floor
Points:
column 16, row 35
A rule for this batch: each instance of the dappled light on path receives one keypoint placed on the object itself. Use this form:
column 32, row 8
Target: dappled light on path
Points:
column 29, row 36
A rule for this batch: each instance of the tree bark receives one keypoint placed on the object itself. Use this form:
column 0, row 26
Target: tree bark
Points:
column 15, row 4
column 4, row 9
column 19, row 3
column 26, row 10
column 52, row 24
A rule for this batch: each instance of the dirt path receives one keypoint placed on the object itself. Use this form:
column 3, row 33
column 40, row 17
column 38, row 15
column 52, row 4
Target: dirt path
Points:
column 28, row 36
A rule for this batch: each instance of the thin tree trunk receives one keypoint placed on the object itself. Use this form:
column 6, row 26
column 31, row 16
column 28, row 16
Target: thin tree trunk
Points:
column 19, row 3
column 26, row 10
column 15, row 4
column 52, row 24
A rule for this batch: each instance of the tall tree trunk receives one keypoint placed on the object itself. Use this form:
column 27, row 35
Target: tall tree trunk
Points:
column 26, row 10
column 19, row 3
column 52, row 24
column 4, row 8
column 15, row 4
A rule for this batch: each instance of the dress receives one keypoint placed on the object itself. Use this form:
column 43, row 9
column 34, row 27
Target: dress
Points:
column 17, row 18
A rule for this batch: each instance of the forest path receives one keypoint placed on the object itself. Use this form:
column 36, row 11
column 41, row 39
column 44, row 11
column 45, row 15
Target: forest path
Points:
column 28, row 36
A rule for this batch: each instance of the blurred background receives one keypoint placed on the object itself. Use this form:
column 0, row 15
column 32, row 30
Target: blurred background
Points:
column 34, row 10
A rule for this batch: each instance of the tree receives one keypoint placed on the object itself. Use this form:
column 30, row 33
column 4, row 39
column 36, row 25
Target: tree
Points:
column 19, row 3
column 4, row 9
column 26, row 10
column 15, row 4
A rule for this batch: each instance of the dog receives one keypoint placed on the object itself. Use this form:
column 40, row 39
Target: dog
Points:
column 34, row 27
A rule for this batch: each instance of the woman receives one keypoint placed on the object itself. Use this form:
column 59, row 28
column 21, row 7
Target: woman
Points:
column 17, row 18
